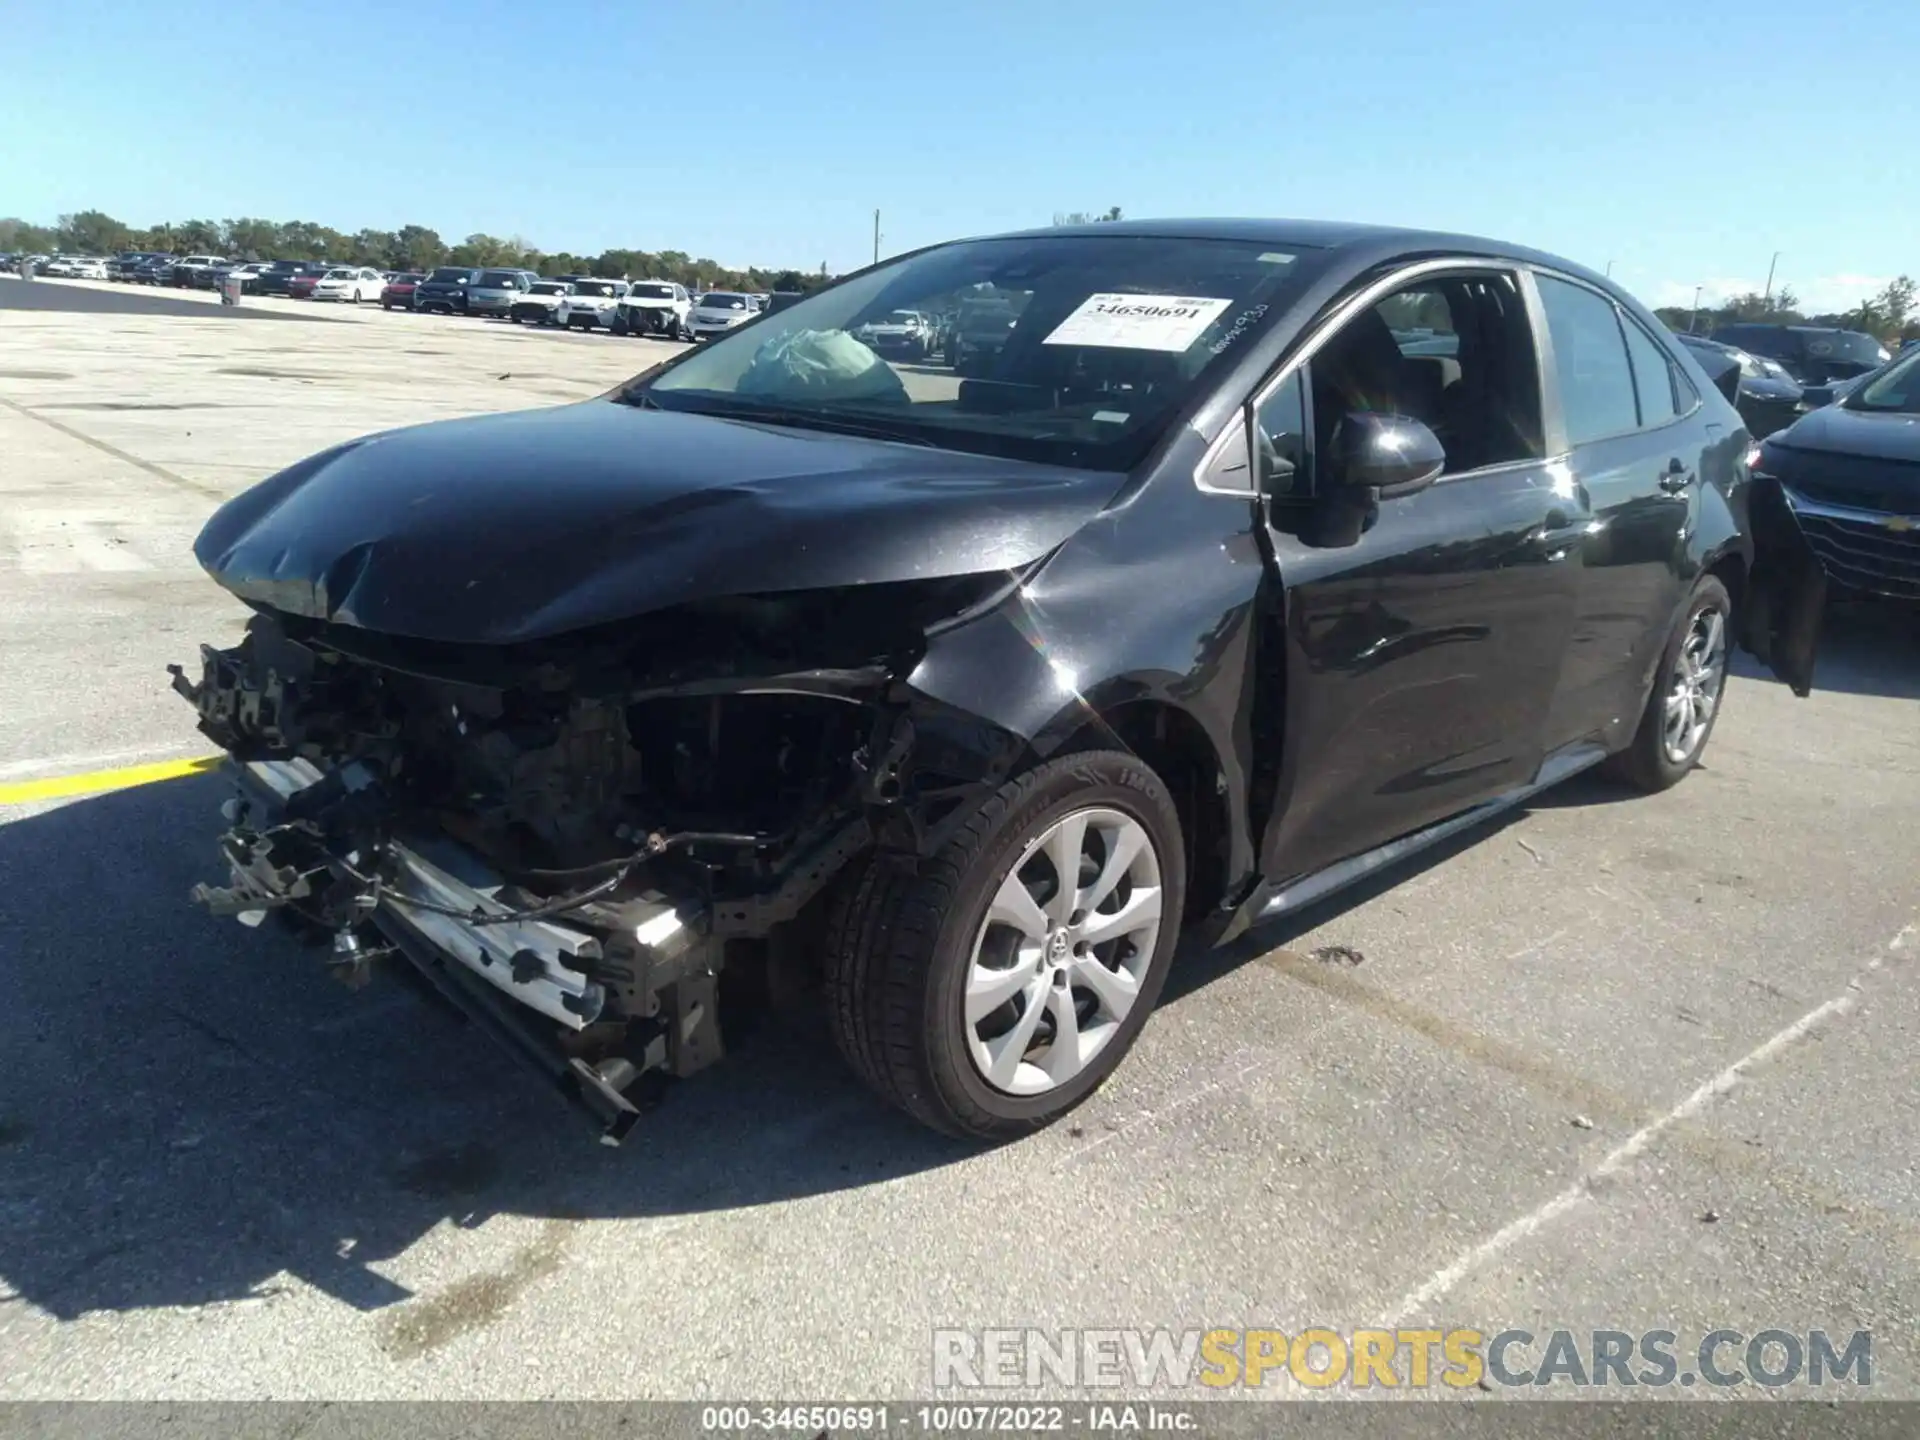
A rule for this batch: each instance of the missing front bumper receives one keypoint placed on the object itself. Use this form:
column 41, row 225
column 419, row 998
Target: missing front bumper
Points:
column 602, row 1015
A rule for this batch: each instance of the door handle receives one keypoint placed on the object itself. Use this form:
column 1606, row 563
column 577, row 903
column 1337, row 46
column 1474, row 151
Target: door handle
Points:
column 1676, row 477
column 1558, row 536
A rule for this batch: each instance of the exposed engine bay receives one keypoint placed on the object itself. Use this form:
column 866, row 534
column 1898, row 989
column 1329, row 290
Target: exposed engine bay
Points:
column 571, row 838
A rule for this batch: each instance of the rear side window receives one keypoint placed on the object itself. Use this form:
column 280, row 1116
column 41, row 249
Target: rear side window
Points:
column 1652, row 378
column 1590, row 360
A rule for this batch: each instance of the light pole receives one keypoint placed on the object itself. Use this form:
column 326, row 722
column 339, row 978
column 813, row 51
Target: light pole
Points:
column 1693, row 321
column 876, row 237
column 1766, row 297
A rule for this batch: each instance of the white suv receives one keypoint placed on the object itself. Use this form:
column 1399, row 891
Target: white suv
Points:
column 655, row 307
column 590, row 304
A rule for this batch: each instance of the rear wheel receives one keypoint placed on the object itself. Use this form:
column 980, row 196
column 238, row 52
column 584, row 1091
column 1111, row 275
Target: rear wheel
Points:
column 1685, row 700
column 990, row 989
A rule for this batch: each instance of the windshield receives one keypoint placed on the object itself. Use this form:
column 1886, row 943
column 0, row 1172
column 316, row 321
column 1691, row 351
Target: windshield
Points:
column 593, row 287
column 1897, row 388
column 549, row 287
column 1099, row 343
column 338, row 275
column 653, row 292
column 499, row 279
column 901, row 317
column 723, row 302
column 447, row 275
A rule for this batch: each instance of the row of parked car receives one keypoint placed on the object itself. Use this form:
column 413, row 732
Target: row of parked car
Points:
column 662, row 308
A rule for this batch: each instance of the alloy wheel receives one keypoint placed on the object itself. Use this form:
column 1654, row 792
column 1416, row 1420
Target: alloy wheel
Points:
column 1693, row 689
column 1058, row 962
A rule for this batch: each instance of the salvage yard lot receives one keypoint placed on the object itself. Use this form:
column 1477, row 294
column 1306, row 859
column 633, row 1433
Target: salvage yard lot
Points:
column 1467, row 1096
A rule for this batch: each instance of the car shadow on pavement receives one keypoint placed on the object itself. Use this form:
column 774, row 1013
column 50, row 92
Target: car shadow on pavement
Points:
column 189, row 1109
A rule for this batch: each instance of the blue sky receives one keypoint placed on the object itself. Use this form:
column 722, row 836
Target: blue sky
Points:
column 1685, row 143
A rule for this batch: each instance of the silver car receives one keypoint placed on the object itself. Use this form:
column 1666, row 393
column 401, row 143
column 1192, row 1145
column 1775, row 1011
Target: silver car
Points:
column 719, row 311
column 495, row 292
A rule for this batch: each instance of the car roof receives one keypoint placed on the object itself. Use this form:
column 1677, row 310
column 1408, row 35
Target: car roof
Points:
column 1376, row 241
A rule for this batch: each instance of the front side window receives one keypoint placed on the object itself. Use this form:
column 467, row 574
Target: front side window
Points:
column 1066, row 349
column 1280, row 440
column 1595, row 378
column 1455, row 353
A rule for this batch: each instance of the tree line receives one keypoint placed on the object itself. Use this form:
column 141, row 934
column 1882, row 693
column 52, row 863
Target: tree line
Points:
column 411, row 247
column 1892, row 316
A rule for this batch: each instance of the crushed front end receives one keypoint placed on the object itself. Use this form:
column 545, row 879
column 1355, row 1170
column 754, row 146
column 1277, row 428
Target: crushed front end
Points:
column 572, row 839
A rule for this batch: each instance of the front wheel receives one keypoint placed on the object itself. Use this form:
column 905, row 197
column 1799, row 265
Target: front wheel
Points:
column 1685, row 700
column 992, row 988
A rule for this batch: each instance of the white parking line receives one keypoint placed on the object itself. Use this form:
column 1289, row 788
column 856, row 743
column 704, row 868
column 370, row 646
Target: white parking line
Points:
column 1630, row 1149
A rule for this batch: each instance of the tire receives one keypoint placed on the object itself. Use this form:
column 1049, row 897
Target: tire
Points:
column 1653, row 761
column 904, row 942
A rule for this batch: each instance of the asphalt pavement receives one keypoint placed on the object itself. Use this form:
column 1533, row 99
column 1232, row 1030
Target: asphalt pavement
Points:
column 98, row 298
column 1616, row 1063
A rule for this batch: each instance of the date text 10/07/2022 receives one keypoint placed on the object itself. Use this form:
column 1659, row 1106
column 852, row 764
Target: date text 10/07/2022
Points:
column 948, row 1419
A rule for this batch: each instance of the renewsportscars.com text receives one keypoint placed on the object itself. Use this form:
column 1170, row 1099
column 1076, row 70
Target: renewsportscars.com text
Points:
column 1319, row 1358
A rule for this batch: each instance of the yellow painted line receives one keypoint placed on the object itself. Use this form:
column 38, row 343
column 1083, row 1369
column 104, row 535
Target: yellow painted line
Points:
column 60, row 787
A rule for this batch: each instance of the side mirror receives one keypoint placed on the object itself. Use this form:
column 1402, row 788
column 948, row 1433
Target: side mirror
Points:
column 1390, row 455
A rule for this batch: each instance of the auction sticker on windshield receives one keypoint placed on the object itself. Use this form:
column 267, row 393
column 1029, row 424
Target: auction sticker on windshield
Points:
column 1138, row 322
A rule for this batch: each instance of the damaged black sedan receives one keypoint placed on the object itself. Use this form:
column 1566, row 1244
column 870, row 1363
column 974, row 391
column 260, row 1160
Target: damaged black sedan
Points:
column 1255, row 556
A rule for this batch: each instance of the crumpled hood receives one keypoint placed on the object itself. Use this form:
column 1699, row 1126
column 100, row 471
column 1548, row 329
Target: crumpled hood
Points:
column 534, row 523
column 1864, row 433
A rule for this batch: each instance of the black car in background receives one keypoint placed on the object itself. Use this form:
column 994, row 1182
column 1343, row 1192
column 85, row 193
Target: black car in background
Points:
column 446, row 290
column 1811, row 354
column 1197, row 597
column 127, row 264
column 157, row 270
column 1767, row 397
column 194, row 272
column 280, row 273
column 1851, row 472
